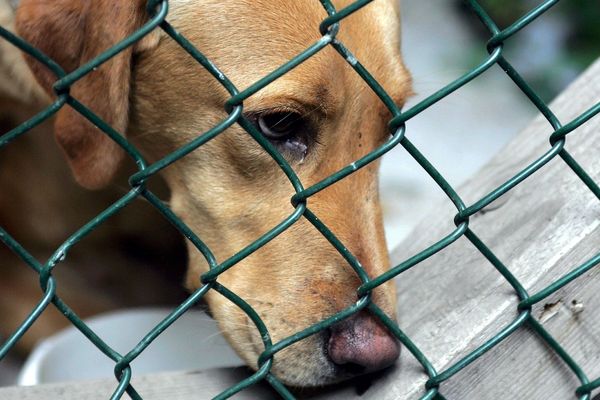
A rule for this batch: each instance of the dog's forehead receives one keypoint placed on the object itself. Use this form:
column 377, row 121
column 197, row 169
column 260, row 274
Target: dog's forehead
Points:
column 260, row 35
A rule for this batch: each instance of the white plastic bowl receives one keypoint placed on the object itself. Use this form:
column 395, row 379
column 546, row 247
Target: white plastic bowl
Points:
column 193, row 342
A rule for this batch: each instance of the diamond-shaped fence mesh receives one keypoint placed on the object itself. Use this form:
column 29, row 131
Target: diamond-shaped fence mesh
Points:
column 158, row 18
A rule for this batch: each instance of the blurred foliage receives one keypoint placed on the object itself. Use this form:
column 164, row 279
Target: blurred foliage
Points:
column 579, row 44
column 582, row 16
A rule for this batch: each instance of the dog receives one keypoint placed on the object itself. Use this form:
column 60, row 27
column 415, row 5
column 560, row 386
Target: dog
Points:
column 321, row 116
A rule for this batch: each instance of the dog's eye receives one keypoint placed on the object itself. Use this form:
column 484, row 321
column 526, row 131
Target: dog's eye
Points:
column 279, row 125
column 289, row 131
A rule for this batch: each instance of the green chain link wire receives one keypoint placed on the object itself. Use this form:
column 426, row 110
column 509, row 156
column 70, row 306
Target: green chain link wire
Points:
column 158, row 12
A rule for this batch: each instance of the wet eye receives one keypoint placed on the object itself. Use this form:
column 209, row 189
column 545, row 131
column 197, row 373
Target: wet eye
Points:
column 279, row 125
column 288, row 131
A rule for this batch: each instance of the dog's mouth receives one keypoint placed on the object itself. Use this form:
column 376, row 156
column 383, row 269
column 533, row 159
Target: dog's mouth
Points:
column 356, row 349
column 328, row 376
column 357, row 384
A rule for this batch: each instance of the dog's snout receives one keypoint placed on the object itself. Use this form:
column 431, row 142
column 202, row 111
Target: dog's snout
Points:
column 361, row 344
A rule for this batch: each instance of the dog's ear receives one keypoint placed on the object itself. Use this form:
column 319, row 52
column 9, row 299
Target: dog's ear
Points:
column 73, row 32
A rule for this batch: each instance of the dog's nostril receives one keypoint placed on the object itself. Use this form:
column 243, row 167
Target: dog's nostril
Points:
column 352, row 368
column 361, row 345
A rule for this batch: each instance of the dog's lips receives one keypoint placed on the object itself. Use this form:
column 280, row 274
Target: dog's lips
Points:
column 309, row 364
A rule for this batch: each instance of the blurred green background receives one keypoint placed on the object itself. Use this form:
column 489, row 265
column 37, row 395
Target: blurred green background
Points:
column 552, row 50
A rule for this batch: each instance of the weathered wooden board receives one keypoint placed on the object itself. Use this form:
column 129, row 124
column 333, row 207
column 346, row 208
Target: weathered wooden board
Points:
column 454, row 301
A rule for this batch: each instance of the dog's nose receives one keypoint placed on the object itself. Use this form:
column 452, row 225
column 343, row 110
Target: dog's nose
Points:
column 360, row 344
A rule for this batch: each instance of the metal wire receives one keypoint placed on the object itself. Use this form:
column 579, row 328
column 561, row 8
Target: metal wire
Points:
column 157, row 19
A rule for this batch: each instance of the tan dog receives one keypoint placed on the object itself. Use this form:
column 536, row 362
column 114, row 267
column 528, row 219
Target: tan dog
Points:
column 321, row 116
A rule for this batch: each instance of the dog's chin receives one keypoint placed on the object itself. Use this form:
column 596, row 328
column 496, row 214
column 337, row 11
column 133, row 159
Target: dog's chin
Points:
column 306, row 365
column 326, row 375
column 321, row 376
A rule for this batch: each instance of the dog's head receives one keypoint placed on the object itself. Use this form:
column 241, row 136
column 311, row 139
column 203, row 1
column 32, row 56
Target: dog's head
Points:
column 321, row 116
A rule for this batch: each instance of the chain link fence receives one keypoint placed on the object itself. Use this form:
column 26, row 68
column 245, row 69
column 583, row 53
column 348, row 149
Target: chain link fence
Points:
column 158, row 19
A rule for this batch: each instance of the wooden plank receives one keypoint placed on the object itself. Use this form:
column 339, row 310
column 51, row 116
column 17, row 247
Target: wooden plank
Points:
column 172, row 386
column 455, row 301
